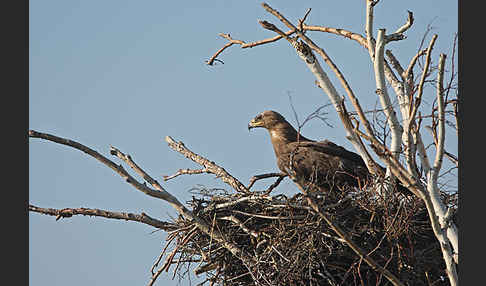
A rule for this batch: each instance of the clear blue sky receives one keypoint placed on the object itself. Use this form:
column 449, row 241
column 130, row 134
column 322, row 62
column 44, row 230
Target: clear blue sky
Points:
column 128, row 73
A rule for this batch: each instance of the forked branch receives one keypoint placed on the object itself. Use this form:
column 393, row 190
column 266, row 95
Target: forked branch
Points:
column 209, row 166
column 160, row 192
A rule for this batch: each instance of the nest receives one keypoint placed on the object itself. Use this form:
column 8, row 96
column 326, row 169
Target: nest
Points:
column 290, row 244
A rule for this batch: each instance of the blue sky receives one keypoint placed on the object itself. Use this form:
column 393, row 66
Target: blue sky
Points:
column 128, row 73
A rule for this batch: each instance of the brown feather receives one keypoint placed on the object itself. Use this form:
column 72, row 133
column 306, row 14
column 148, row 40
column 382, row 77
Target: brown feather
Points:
column 324, row 163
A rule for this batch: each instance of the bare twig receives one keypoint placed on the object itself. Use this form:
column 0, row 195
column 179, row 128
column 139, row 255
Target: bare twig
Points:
column 243, row 45
column 271, row 217
column 407, row 25
column 186, row 172
column 264, row 176
column 452, row 157
column 418, row 99
column 274, row 185
column 209, row 166
column 408, row 72
column 69, row 212
column 169, row 239
column 227, row 45
column 238, row 201
column 439, row 154
column 234, row 219
column 301, row 21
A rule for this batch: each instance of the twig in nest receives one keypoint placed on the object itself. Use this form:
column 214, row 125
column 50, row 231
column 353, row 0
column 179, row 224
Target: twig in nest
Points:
column 274, row 185
column 264, row 176
column 271, row 217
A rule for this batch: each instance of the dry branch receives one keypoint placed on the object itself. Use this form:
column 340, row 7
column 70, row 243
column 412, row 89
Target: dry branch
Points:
column 160, row 193
column 392, row 120
column 69, row 212
column 186, row 172
column 407, row 25
column 242, row 44
column 227, row 45
column 418, row 99
column 256, row 178
column 209, row 166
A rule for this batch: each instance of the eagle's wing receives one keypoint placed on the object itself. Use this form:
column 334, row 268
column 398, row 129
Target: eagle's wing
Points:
column 323, row 163
column 333, row 149
column 348, row 162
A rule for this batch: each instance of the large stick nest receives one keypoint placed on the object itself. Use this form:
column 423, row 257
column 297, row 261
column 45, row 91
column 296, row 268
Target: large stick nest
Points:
column 292, row 245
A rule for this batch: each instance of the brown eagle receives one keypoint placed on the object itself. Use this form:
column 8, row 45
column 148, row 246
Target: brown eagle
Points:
column 322, row 163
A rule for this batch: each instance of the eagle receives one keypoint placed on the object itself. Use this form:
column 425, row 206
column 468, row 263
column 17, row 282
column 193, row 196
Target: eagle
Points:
column 322, row 163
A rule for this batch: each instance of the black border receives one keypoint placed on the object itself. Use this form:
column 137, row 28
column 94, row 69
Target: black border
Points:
column 471, row 125
column 14, row 116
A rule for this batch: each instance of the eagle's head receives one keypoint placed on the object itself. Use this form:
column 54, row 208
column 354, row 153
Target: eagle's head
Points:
column 268, row 119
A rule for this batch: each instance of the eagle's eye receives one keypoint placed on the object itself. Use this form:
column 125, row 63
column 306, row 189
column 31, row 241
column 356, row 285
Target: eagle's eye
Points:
column 259, row 117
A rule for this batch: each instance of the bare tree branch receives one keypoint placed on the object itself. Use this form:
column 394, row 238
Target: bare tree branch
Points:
column 264, row 176
column 160, row 193
column 370, row 40
column 408, row 72
column 382, row 92
column 418, row 99
column 407, row 25
column 69, row 212
column 229, row 44
column 186, row 172
column 242, row 44
column 209, row 166
column 395, row 63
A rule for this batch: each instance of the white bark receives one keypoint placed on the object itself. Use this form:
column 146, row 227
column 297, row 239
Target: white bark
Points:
column 392, row 120
column 369, row 28
column 306, row 54
column 432, row 197
column 432, row 188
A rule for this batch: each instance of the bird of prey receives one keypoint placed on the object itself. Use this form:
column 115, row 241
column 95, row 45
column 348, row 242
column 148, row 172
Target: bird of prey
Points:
column 322, row 163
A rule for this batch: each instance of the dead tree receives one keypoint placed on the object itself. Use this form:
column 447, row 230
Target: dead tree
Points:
column 406, row 137
column 249, row 237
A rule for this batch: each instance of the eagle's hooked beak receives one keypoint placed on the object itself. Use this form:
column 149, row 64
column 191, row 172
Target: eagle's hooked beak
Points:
column 255, row 122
